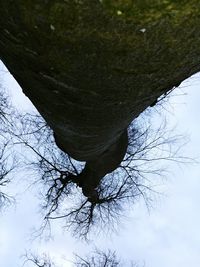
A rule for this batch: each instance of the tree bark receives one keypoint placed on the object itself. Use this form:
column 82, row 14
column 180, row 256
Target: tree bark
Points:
column 91, row 67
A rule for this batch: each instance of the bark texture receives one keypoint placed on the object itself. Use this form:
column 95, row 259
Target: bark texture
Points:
column 90, row 67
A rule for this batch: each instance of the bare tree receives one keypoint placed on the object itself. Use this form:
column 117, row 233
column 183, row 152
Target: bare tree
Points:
column 89, row 81
column 7, row 157
column 7, row 165
column 4, row 105
column 64, row 180
column 34, row 260
column 97, row 258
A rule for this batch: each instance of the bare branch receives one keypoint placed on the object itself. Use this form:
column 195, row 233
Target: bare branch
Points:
column 62, row 178
column 7, row 156
column 43, row 261
column 97, row 258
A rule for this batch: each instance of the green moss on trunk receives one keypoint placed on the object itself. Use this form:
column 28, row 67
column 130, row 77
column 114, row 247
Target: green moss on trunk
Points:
column 91, row 67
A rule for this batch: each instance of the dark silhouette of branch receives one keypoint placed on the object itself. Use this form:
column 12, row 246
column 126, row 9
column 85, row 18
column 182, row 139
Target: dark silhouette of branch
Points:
column 4, row 106
column 97, row 258
column 66, row 190
column 43, row 261
column 7, row 157
column 5, row 169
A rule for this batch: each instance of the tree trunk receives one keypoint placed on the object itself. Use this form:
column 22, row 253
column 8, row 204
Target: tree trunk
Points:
column 91, row 67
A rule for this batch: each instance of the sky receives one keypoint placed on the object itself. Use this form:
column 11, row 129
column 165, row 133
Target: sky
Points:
column 166, row 235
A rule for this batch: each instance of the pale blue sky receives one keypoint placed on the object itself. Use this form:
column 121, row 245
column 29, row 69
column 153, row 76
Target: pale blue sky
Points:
column 167, row 236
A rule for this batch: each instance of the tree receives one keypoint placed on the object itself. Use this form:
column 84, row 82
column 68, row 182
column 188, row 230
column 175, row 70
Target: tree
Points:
column 90, row 80
column 7, row 163
column 96, row 259
column 65, row 190
column 91, row 67
column 43, row 261
column 100, row 258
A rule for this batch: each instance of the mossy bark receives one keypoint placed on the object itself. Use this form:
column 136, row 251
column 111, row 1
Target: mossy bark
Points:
column 91, row 67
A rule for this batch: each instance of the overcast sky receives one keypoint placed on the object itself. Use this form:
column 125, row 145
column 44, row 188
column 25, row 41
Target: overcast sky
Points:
column 166, row 236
